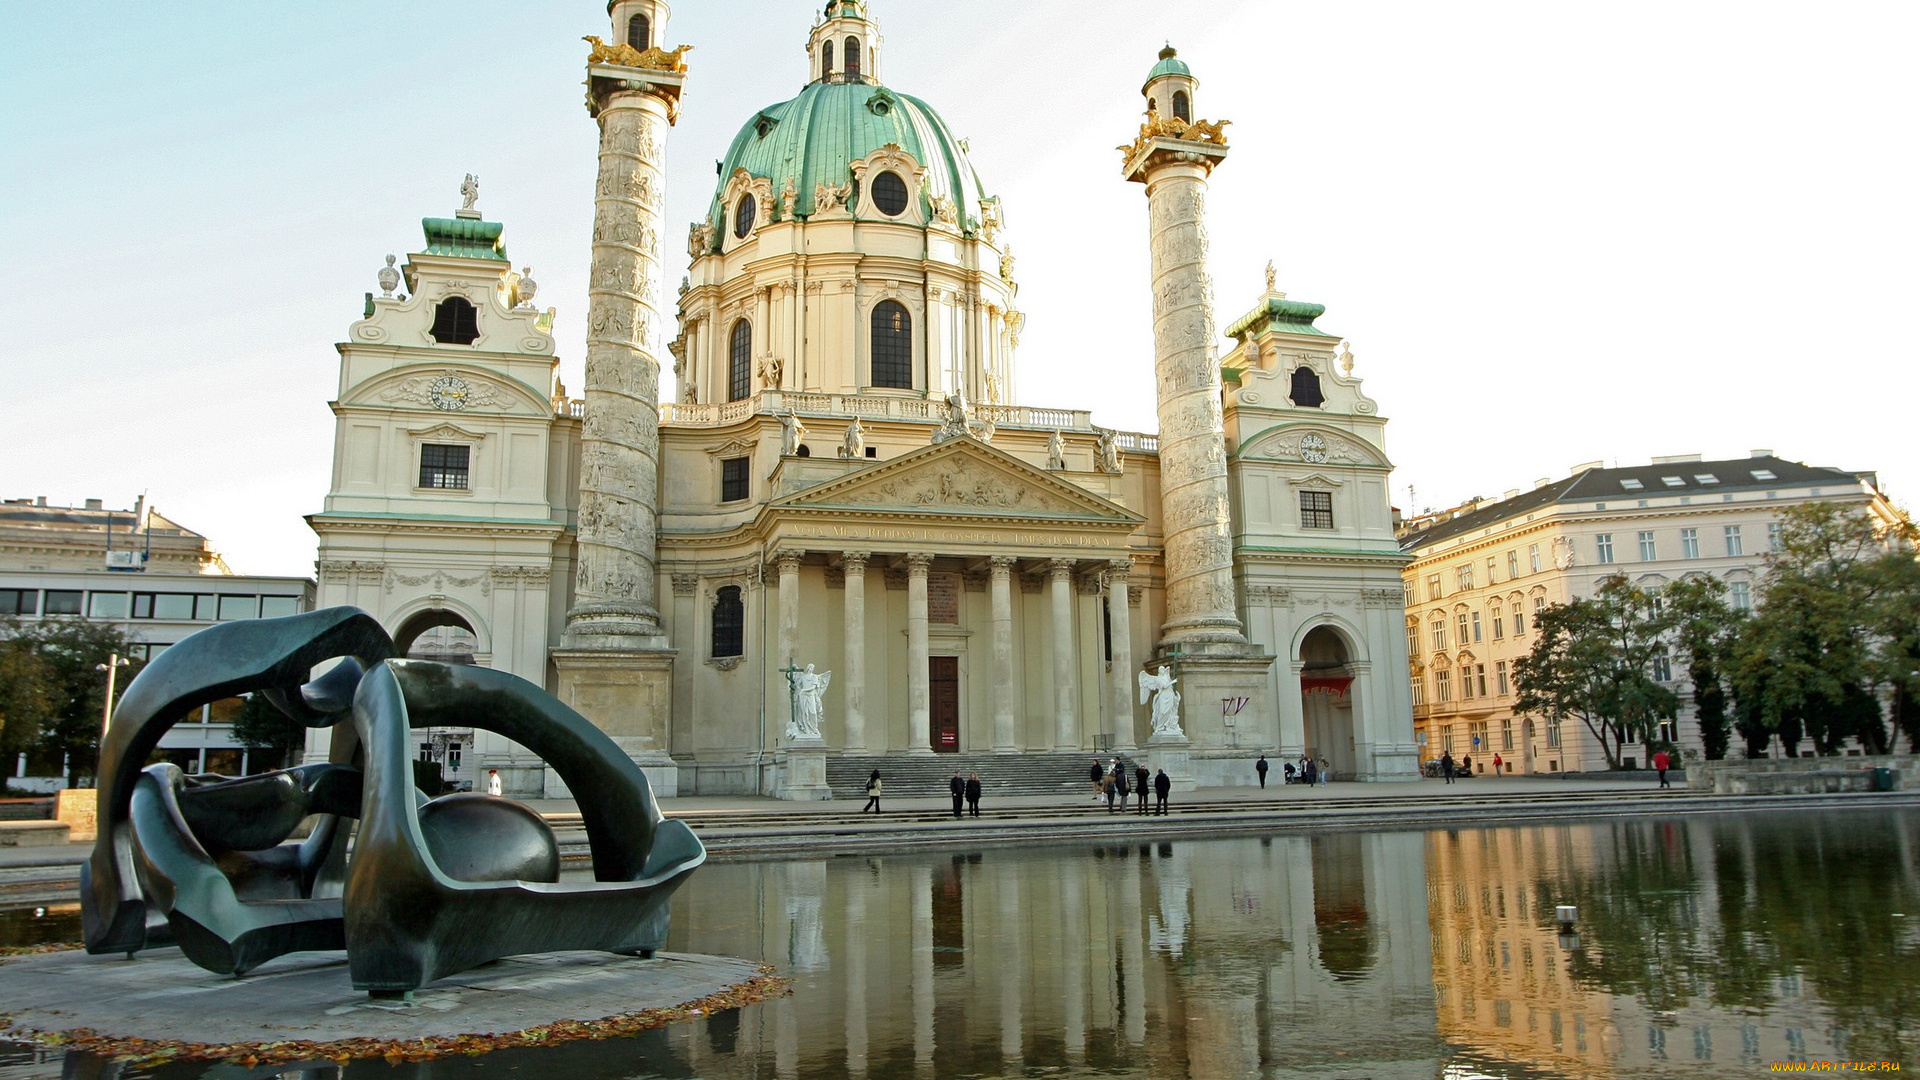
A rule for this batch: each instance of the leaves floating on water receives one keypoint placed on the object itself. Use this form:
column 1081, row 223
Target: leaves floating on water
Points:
column 760, row 988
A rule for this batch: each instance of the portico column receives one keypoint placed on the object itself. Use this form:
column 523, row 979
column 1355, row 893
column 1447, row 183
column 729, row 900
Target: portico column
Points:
column 1002, row 573
column 919, row 714
column 1060, row 571
column 788, row 563
column 856, row 648
column 1120, row 633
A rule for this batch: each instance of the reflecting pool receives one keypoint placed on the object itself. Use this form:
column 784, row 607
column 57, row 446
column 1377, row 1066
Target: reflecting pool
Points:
column 1706, row 946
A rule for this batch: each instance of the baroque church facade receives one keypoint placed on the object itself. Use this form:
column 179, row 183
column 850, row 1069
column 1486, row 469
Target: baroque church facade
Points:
column 847, row 479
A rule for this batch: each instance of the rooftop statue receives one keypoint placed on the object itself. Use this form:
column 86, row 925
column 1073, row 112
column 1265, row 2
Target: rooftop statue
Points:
column 431, row 887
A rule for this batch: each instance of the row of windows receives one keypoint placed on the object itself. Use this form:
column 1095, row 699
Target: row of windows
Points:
column 890, row 351
column 180, row 607
column 1479, row 740
column 1732, row 536
column 851, row 53
column 1469, row 628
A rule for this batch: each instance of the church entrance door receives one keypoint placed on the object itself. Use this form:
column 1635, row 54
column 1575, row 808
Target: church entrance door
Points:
column 943, row 692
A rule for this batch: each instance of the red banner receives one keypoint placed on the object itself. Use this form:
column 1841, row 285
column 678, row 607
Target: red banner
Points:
column 1330, row 685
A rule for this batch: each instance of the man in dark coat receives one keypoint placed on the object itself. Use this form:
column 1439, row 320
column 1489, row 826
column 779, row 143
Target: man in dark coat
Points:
column 1140, row 780
column 1261, row 768
column 1120, row 786
column 958, row 787
column 1446, row 766
column 973, row 794
column 1162, row 783
column 1095, row 774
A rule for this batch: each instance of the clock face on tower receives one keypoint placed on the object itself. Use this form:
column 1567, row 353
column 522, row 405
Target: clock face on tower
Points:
column 1313, row 448
column 448, row 392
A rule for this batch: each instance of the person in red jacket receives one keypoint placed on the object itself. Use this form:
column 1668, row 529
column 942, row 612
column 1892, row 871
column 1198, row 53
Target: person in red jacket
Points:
column 1660, row 764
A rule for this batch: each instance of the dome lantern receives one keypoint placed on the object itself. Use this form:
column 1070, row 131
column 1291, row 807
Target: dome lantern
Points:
column 1170, row 88
column 639, row 23
column 845, row 45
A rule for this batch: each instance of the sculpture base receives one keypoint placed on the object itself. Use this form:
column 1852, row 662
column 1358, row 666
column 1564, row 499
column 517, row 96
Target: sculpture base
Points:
column 161, row 996
column 803, row 772
column 1169, row 753
column 627, row 693
column 1215, row 672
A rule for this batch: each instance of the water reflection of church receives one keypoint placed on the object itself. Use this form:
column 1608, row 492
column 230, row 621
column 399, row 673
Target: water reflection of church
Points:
column 846, row 476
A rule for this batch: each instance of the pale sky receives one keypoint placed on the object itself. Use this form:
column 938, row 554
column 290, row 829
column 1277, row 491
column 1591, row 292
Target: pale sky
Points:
column 1553, row 233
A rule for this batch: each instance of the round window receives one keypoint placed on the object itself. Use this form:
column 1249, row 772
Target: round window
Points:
column 743, row 215
column 890, row 194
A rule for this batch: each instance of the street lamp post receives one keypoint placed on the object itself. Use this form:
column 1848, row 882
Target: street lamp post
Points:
column 112, row 667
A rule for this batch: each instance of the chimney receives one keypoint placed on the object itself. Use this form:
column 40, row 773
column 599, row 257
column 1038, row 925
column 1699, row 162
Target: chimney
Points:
column 39, row 500
column 1585, row 465
column 1676, row 459
column 1542, row 482
column 1512, row 493
column 1760, row 453
column 95, row 504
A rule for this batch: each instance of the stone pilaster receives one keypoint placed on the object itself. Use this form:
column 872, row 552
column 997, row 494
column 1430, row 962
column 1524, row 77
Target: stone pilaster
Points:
column 919, row 702
column 1001, row 587
column 1060, row 576
column 787, row 580
column 855, row 741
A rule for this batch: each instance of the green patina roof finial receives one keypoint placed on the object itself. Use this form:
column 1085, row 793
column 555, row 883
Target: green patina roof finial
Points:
column 465, row 238
column 1170, row 64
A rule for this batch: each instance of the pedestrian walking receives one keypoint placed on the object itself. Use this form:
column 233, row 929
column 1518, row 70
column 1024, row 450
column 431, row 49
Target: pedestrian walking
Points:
column 873, row 793
column 1660, row 763
column 1261, row 768
column 1326, row 771
column 958, row 786
column 1446, row 766
column 1310, row 773
column 1162, row 783
column 973, row 794
column 1098, row 776
column 493, row 782
column 1496, row 764
column 1140, row 780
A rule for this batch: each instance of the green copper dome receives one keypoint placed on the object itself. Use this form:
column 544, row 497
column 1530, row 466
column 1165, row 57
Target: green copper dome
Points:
column 816, row 136
column 1170, row 64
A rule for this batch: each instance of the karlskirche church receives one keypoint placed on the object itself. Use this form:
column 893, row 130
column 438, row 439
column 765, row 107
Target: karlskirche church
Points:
column 848, row 544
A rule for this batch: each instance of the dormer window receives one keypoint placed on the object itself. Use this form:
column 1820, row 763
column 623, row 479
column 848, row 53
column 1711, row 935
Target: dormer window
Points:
column 852, row 56
column 826, row 60
column 639, row 33
column 1181, row 110
column 455, row 322
column 1306, row 388
column 890, row 194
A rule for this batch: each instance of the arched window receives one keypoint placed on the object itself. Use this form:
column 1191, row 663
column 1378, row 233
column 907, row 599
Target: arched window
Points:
column 892, row 346
column 455, row 322
column 826, row 60
column 745, row 212
column 729, row 624
column 740, row 361
column 852, row 57
column 1306, row 388
column 1181, row 111
column 639, row 34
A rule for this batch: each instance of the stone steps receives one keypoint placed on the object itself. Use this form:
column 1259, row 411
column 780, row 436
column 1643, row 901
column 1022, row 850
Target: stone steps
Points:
column 1000, row 774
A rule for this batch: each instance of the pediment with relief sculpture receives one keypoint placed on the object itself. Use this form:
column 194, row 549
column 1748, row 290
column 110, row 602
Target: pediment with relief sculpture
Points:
column 962, row 477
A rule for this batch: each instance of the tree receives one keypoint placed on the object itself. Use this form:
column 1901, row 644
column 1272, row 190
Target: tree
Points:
column 1705, row 629
column 25, row 699
column 1594, row 660
column 262, row 727
column 1834, row 628
column 66, row 655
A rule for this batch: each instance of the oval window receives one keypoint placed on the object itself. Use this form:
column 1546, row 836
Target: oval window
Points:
column 743, row 215
column 890, row 194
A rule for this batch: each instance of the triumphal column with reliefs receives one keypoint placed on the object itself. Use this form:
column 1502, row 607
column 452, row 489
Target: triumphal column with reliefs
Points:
column 614, row 663
column 1202, row 641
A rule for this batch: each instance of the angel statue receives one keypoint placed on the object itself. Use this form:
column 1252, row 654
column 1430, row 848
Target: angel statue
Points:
column 808, row 689
column 469, row 191
column 1166, row 700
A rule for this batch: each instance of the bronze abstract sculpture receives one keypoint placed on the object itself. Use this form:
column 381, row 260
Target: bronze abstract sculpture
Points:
column 426, row 888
